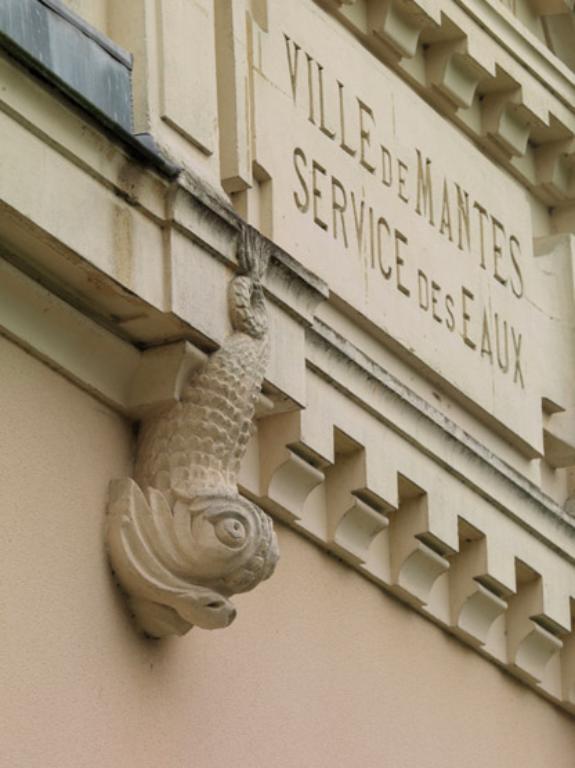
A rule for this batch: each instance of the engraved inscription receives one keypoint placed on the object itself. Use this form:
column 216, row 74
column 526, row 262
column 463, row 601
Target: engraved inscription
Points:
column 363, row 223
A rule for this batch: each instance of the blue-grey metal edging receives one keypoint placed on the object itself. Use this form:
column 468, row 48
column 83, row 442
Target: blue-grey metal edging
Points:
column 113, row 49
column 79, row 61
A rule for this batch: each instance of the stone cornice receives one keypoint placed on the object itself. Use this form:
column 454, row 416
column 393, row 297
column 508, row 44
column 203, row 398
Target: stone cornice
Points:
column 440, row 524
column 49, row 316
column 502, row 87
column 523, row 46
column 561, row 523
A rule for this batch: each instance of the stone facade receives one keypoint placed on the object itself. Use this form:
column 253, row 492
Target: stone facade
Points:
column 388, row 186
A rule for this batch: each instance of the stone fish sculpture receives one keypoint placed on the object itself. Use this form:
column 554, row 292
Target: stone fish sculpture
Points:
column 181, row 539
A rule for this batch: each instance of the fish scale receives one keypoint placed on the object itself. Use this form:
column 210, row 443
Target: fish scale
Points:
column 195, row 448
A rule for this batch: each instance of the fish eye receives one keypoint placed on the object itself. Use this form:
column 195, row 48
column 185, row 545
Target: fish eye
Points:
column 231, row 531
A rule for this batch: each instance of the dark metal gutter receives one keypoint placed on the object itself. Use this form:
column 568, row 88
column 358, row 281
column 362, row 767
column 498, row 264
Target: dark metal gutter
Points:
column 83, row 65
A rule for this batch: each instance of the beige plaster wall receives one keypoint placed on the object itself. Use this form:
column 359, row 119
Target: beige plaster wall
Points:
column 320, row 669
column 95, row 12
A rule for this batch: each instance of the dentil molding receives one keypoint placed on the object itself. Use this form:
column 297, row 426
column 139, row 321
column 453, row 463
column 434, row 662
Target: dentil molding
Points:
column 180, row 538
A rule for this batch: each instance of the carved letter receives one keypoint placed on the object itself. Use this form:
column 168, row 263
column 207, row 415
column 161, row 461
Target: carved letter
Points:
column 497, row 250
column 486, row 346
column 386, row 167
column 463, row 217
column 517, row 342
column 424, row 189
column 502, row 344
column 302, row 205
column 339, row 207
column 400, row 262
column 365, row 135
column 467, row 296
column 343, row 144
column 445, row 225
column 518, row 289
column 482, row 215
column 385, row 271
column 292, row 64
column 358, row 217
column 317, row 194
column 322, row 123
column 311, row 115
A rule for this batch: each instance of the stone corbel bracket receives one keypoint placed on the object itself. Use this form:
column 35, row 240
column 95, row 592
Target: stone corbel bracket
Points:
column 181, row 539
column 342, row 473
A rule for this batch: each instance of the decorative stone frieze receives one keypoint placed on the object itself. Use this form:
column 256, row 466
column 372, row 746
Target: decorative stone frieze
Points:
column 181, row 540
column 480, row 84
column 474, row 606
column 454, row 72
column 431, row 535
column 533, row 637
column 398, row 25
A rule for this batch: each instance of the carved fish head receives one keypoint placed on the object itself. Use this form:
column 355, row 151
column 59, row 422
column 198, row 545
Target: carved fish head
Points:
column 180, row 560
column 228, row 541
